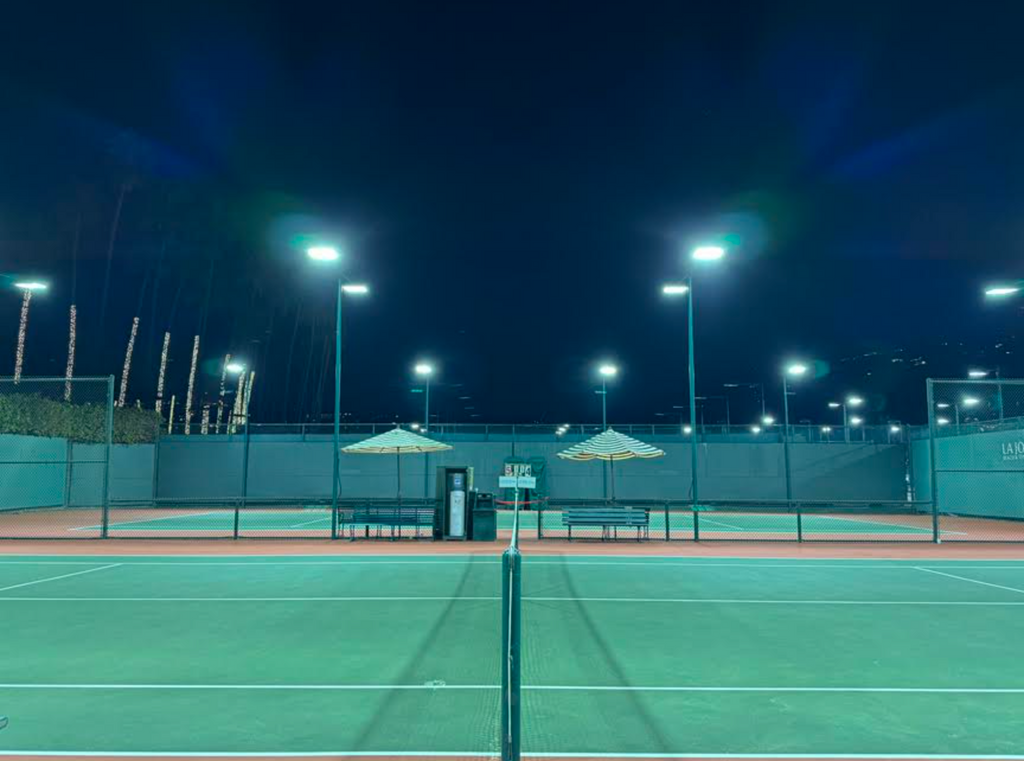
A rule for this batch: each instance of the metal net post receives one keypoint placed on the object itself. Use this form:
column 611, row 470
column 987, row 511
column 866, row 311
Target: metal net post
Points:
column 511, row 666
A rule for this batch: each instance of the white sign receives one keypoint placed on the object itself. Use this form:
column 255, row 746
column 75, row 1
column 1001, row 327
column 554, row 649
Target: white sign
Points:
column 517, row 482
column 518, row 469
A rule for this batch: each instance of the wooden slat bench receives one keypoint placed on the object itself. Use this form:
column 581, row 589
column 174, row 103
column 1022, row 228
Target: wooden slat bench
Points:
column 610, row 519
column 394, row 517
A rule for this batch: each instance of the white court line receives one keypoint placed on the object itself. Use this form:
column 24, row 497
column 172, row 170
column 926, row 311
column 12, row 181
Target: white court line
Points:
column 627, row 600
column 964, row 578
column 530, row 687
column 319, row 519
column 118, row 524
column 738, row 528
column 493, row 754
column 56, row 578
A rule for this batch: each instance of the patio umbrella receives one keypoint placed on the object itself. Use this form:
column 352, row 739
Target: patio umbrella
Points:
column 397, row 442
column 610, row 446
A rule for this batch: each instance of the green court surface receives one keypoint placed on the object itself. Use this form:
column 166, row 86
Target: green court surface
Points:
column 622, row 655
column 711, row 522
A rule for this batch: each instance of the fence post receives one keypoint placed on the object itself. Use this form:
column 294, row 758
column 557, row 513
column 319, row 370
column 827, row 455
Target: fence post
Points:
column 933, row 476
column 668, row 535
column 245, row 475
column 105, row 521
column 799, row 523
column 696, row 524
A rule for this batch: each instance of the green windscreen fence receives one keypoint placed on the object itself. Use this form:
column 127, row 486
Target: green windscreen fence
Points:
column 976, row 449
column 55, row 449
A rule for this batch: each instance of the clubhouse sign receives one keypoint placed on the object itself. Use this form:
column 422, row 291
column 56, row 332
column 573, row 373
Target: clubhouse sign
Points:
column 1013, row 451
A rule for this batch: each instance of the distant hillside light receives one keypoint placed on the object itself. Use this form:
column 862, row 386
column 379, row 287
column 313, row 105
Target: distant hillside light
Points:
column 971, row 401
column 977, row 373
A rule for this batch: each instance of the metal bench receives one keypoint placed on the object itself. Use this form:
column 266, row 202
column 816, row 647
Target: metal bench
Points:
column 610, row 519
column 394, row 517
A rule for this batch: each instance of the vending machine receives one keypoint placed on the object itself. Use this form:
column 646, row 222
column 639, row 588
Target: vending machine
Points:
column 454, row 485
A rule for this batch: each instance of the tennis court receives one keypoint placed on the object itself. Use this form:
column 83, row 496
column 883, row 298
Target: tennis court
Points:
column 399, row 655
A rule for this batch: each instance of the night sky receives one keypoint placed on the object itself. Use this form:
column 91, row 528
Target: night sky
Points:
column 515, row 181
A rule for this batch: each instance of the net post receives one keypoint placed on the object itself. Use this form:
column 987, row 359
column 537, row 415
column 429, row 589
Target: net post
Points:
column 511, row 597
column 932, row 475
column 109, row 435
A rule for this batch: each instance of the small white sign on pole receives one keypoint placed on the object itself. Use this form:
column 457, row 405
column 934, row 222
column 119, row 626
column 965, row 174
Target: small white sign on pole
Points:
column 517, row 482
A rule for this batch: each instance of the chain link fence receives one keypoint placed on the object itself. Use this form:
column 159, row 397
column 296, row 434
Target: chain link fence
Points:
column 975, row 453
column 75, row 465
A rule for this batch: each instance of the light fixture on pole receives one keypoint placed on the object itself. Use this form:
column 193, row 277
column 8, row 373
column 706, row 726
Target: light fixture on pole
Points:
column 425, row 370
column 1002, row 291
column 27, row 288
column 606, row 370
column 792, row 370
column 700, row 254
column 325, row 254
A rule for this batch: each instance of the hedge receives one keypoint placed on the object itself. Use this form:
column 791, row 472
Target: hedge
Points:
column 35, row 415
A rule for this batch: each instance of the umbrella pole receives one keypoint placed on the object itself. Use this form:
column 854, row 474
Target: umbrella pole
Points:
column 612, row 462
column 398, row 470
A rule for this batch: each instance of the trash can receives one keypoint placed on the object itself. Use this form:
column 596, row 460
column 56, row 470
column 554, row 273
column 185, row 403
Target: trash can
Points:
column 485, row 520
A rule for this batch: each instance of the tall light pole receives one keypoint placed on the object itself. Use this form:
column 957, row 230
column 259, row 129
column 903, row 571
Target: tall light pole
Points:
column 699, row 254
column 793, row 370
column 606, row 370
column 850, row 401
column 979, row 374
column 330, row 255
column 425, row 370
column 27, row 288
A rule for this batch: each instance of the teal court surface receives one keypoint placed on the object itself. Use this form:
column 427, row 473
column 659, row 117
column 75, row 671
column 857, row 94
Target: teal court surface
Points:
column 399, row 656
column 726, row 524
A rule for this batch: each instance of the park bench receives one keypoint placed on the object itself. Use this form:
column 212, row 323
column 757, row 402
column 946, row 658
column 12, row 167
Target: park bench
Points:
column 610, row 519
column 393, row 517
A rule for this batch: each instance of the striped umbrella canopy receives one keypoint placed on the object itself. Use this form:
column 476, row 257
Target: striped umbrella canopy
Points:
column 397, row 442
column 610, row 446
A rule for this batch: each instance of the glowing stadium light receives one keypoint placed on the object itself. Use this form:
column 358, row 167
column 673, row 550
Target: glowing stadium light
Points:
column 797, row 369
column 856, row 420
column 971, row 401
column 608, row 370
column 235, row 368
column 424, row 369
column 977, row 374
column 1001, row 291
column 687, row 430
column 356, row 289
column 755, row 429
column 675, row 289
column 855, row 401
column 768, row 420
column 323, row 253
column 708, row 253
column 942, row 421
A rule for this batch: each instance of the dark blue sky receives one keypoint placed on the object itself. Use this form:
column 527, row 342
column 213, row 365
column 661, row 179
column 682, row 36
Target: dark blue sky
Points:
column 515, row 181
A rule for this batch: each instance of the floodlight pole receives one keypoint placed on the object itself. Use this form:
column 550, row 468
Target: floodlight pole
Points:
column 785, row 436
column 693, row 392
column 604, row 403
column 337, row 417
